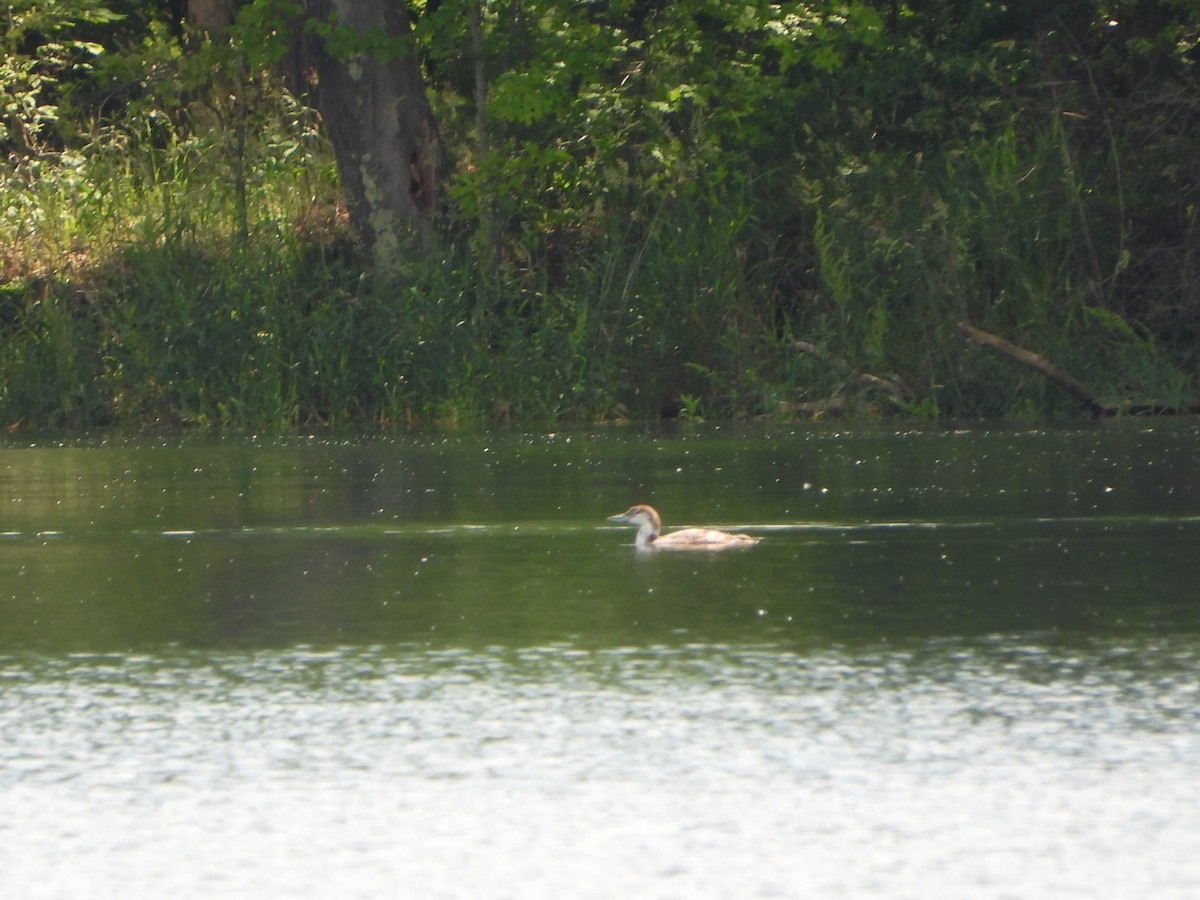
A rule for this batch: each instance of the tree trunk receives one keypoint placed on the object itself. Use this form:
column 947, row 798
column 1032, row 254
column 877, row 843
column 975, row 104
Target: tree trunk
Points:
column 487, row 217
column 212, row 16
column 384, row 136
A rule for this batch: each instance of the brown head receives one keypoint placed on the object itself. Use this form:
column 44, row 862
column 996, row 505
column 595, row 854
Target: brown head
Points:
column 644, row 518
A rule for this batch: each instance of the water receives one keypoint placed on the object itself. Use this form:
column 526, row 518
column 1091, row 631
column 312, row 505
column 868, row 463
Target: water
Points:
column 958, row 664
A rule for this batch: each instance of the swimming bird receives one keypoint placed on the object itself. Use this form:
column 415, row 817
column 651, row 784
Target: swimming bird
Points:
column 650, row 537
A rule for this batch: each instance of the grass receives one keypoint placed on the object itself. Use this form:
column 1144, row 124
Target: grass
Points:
column 157, row 280
column 990, row 234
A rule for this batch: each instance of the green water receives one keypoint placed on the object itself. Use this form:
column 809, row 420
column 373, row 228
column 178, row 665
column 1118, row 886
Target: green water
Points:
column 472, row 541
column 959, row 663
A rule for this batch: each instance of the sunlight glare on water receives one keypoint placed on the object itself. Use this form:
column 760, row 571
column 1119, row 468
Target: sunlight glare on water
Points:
column 948, row 770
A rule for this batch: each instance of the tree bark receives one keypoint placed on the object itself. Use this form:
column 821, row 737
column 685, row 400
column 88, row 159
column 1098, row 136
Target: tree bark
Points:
column 488, row 223
column 384, row 135
column 212, row 16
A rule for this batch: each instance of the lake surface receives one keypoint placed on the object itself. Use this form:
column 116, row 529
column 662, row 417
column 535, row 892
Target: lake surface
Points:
column 960, row 663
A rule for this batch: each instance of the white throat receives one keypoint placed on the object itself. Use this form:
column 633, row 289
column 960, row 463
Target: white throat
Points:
column 646, row 535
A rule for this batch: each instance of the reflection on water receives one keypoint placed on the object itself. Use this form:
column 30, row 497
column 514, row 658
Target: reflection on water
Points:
column 958, row 664
column 583, row 582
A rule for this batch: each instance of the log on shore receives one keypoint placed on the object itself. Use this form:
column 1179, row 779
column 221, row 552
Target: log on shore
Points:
column 1071, row 385
column 1039, row 364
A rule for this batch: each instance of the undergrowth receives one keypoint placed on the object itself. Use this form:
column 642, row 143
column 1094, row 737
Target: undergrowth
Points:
column 187, row 260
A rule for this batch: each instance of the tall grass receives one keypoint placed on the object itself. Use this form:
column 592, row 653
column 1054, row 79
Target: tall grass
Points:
column 171, row 317
column 159, row 277
column 1001, row 233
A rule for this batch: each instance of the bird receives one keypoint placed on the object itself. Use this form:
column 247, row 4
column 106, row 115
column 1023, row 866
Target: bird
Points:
column 649, row 537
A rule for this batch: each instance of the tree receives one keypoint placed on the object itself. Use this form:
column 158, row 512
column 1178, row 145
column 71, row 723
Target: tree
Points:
column 212, row 16
column 370, row 92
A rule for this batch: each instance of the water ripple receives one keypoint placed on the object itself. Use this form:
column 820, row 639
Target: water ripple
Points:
column 704, row 770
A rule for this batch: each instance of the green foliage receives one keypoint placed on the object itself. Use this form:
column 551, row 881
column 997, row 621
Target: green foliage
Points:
column 49, row 367
column 345, row 41
column 41, row 47
column 651, row 205
column 994, row 186
column 262, row 30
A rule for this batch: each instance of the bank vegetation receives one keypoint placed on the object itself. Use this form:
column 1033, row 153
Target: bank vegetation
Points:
column 643, row 209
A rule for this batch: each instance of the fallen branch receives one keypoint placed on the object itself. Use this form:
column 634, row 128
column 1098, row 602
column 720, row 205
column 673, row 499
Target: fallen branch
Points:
column 1041, row 365
column 863, row 379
